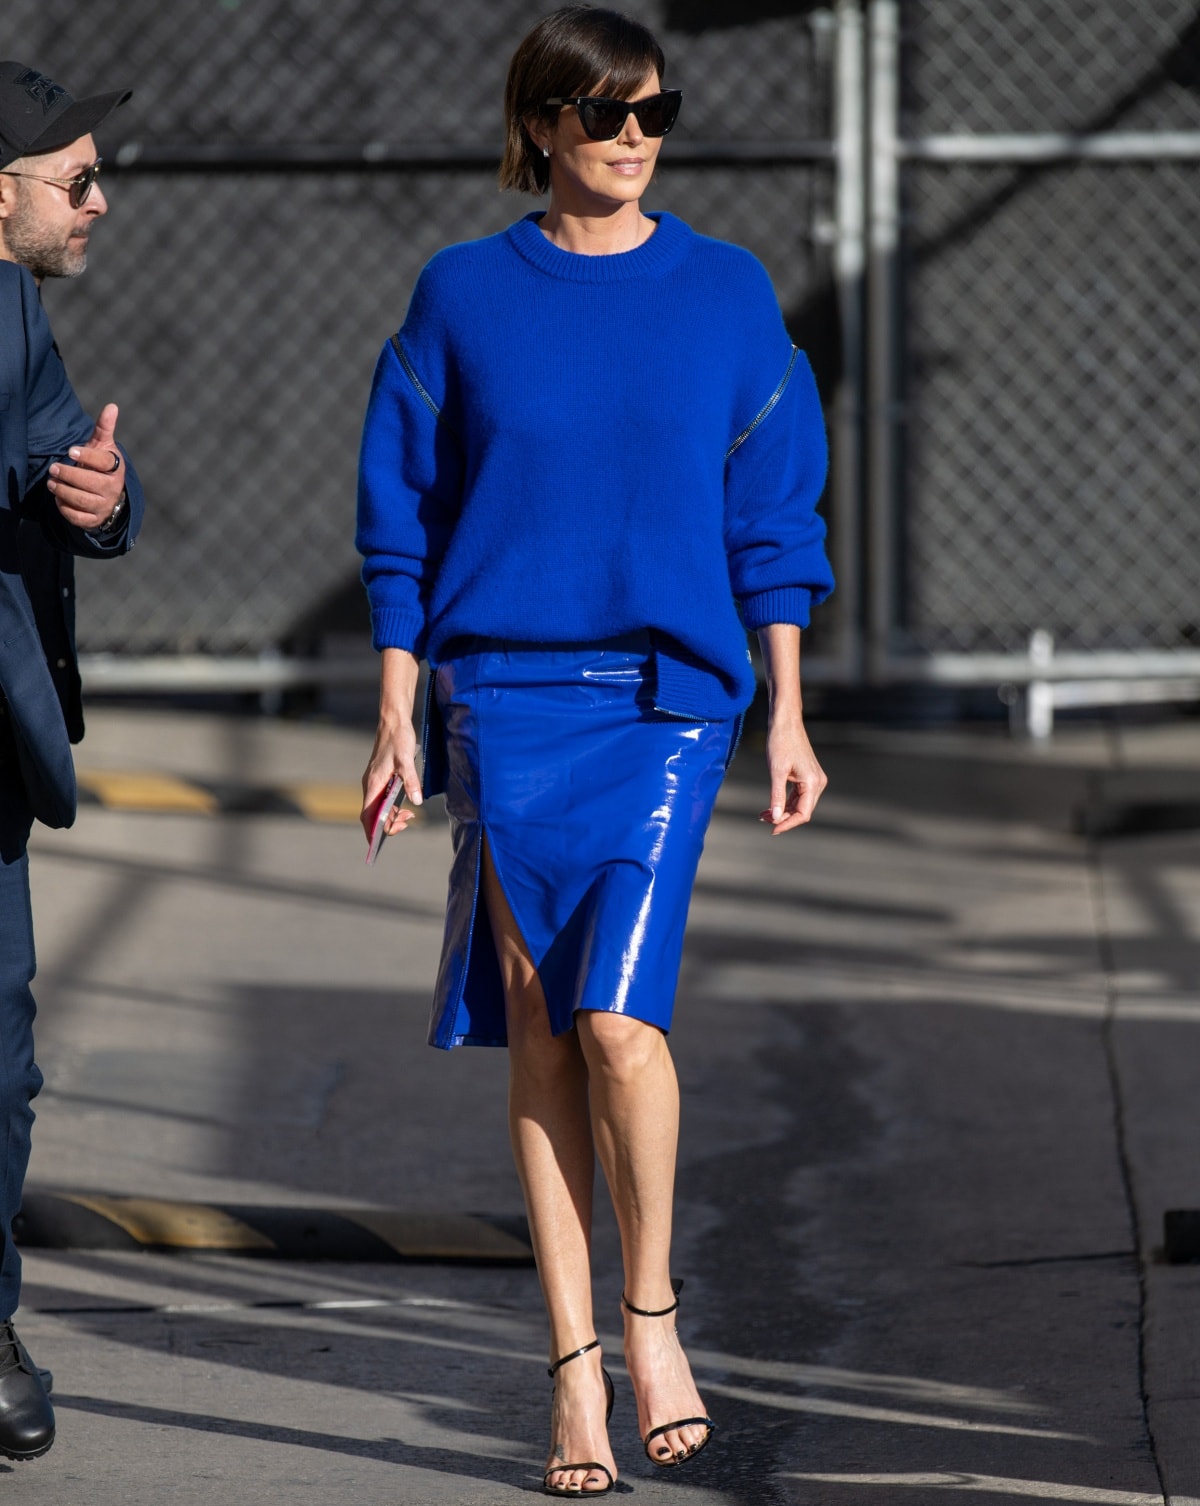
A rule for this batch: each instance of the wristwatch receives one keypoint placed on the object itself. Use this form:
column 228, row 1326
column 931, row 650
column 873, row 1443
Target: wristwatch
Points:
column 114, row 520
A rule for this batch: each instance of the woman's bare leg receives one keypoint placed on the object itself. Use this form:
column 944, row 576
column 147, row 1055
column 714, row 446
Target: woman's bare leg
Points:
column 635, row 1122
column 552, row 1146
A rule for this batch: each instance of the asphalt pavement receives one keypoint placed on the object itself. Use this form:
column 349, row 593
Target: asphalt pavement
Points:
column 941, row 1083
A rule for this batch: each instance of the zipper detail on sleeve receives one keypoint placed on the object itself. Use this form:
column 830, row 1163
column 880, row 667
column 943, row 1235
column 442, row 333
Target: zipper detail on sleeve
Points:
column 763, row 411
column 410, row 373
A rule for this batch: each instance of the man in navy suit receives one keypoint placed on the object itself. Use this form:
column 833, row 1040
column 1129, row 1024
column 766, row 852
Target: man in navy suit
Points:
column 68, row 489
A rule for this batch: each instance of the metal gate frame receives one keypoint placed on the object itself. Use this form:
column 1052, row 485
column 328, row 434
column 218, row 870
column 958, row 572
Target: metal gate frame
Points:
column 1041, row 680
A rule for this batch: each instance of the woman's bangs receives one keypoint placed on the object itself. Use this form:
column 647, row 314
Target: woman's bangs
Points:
column 612, row 60
column 627, row 73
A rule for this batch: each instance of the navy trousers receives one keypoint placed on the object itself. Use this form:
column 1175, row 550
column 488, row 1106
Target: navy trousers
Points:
column 20, row 1079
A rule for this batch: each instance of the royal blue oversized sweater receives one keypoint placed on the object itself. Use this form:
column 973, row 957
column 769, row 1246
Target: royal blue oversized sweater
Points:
column 562, row 448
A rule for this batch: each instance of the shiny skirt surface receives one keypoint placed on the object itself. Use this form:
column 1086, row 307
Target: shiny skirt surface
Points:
column 594, row 807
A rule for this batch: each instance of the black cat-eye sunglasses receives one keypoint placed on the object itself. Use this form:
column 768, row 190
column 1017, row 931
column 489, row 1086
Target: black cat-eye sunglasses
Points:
column 603, row 119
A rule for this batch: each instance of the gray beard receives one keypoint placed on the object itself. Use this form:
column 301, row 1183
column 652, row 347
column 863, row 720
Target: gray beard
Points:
column 33, row 247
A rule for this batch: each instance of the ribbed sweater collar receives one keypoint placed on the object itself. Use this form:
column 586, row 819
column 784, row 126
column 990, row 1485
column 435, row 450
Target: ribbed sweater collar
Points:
column 664, row 250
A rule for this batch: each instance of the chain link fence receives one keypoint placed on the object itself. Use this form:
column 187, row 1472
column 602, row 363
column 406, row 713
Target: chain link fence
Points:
column 1051, row 386
column 286, row 167
column 1051, row 469
column 235, row 310
column 1049, row 65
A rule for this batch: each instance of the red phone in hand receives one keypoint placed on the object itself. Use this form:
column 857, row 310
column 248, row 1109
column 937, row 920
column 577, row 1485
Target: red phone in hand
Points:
column 380, row 811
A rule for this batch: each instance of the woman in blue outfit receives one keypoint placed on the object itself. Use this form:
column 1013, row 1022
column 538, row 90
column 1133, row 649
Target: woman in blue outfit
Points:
column 591, row 462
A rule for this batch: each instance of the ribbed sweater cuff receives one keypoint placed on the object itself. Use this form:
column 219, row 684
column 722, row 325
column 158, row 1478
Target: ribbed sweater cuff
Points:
column 781, row 604
column 394, row 627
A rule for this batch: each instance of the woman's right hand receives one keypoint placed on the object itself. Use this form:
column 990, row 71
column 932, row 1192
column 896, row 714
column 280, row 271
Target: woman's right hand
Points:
column 395, row 750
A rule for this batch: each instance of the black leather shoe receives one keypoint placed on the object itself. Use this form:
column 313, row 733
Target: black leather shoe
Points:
column 26, row 1416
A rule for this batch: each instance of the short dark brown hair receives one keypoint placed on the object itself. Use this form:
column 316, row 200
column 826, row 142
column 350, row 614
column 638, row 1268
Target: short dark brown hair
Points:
column 575, row 50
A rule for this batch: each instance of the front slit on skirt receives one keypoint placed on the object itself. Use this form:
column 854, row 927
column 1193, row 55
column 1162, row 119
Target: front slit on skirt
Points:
column 595, row 806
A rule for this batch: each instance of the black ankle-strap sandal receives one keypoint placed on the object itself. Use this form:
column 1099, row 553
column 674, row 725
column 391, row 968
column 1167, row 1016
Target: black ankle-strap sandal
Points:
column 684, row 1422
column 589, row 1464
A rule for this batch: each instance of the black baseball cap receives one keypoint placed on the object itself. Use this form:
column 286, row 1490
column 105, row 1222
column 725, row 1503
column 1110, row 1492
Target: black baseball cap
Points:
column 38, row 115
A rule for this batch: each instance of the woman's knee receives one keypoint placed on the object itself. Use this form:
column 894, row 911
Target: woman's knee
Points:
column 618, row 1045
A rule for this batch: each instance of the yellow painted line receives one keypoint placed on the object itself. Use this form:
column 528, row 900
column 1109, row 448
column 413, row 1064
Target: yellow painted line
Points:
column 123, row 791
column 326, row 802
column 189, row 1226
column 441, row 1236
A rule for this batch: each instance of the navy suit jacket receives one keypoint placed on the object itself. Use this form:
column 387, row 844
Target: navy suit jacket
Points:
column 40, row 418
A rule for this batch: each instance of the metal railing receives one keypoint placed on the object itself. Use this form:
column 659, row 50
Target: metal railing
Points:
column 1037, row 679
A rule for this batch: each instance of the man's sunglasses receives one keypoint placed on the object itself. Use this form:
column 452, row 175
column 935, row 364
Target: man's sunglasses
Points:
column 77, row 188
column 604, row 119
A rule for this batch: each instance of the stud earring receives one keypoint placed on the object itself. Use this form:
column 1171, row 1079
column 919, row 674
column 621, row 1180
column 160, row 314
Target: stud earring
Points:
column 545, row 151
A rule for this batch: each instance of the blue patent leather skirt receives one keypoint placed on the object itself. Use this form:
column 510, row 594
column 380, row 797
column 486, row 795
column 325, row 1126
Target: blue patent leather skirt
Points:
column 594, row 806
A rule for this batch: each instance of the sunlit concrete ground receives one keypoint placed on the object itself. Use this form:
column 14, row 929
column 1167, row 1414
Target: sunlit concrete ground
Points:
column 930, row 1050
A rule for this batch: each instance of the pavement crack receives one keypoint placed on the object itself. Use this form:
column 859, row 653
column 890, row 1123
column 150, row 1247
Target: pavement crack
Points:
column 1108, row 966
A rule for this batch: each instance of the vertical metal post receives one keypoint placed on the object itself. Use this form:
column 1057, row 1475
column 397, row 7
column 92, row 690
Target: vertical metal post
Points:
column 883, row 316
column 849, row 272
column 1039, row 694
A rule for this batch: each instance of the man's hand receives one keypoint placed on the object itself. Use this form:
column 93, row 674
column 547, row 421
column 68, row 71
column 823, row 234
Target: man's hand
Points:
column 87, row 492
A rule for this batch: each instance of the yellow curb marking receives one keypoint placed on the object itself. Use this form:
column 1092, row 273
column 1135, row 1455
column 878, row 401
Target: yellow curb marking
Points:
column 326, row 802
column 147, row 792
column 191, row 1226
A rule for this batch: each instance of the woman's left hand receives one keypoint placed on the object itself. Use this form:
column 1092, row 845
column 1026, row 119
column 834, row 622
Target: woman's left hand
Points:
column 797, row 779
